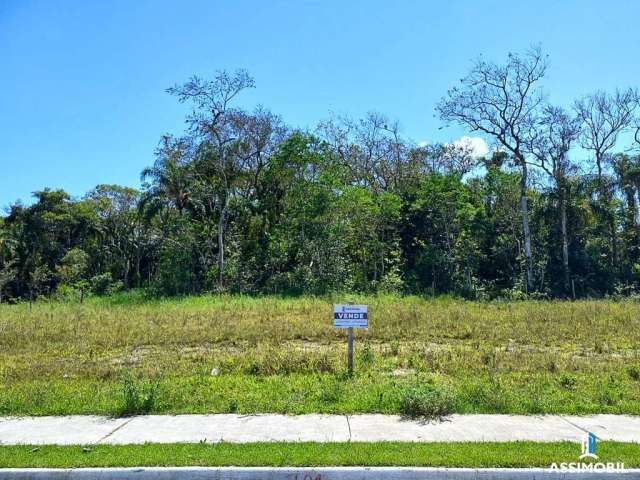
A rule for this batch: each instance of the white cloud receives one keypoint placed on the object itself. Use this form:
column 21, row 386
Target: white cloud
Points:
column 476, row 145
column 423, row 143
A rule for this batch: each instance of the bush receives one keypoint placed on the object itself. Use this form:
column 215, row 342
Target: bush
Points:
column 392, row 282
column 568, row 381
column 139, row 395
column 426, row 401
column 100, row 283
column 484, row 397
column 65, row 293
column 115, row 287
column 103, row 284
column 367, row 355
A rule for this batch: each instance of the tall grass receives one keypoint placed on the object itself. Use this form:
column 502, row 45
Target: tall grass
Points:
column 223, row 353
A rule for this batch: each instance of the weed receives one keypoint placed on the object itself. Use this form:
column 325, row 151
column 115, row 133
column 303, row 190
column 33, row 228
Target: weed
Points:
column 394, row 347
column 324, row 364
column 426, row 401
column 253, row 368
column 139, row 395
column 568, row 381
column 485, row 397
column 330, row 393
column 634, row 373
column 367, row 356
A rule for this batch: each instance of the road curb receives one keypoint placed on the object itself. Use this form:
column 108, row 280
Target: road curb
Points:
column 304, row 473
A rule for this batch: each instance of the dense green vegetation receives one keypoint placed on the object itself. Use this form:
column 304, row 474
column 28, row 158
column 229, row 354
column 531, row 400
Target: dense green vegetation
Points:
column 463, row 454
column 243, row 203
column 224, row 353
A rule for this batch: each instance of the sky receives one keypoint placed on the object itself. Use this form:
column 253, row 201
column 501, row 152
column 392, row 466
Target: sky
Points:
column 82, row 83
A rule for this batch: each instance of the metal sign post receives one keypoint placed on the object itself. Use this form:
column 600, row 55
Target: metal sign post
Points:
column 350, row 316
column 350, row 350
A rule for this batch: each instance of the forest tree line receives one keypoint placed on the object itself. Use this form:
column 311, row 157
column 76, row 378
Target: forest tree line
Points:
column 241, row 202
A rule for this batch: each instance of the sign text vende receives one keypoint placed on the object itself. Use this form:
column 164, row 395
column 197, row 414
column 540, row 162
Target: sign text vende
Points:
column 354, row 316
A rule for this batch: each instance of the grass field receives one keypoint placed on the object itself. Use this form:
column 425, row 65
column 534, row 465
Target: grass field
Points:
column 269, row 354
column 512, row 454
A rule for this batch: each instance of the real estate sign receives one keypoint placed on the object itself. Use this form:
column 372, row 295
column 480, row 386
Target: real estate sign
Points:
column 350, row 316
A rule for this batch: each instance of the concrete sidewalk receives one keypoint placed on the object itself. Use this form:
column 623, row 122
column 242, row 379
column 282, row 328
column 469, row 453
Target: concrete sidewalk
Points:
column 86, row 430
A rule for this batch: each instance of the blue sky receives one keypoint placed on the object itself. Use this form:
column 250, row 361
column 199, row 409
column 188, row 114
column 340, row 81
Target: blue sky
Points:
column 82, row 89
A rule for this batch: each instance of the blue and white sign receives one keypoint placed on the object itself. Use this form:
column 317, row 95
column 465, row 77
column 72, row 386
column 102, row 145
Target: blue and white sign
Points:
column 351, row 316
column 589, row 446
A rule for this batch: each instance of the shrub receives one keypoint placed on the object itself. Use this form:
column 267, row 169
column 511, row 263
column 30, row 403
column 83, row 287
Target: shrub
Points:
column 65, row 292
column 426, row 401
column 331, row 392
column 103, row 284
column 367, row 356
column 139, row 395
column 100, row 283
column 392, row 282
column 485, row 397
column 73, row 266
column 568, row 381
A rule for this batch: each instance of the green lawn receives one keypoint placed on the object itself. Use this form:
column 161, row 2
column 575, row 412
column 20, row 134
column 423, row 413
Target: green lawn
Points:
column 512, row 454
column 273, row 354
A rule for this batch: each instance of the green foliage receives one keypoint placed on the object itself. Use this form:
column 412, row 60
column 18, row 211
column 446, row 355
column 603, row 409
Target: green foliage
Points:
column 427, row 401
column 243, row 204
column 103, row 284
column 279, row 354
column 177, row 267
column 367, row 355
column 139, row 395
column 73, row 267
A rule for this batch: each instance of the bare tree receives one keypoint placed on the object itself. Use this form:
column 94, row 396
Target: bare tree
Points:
column 550, row 146
column 503, row 101
column 371, row 148
column 604, row 117
column 457, row 157
column 212, row 121
column 258, row 135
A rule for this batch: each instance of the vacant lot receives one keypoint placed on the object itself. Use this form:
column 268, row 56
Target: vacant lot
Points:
column 241, row 354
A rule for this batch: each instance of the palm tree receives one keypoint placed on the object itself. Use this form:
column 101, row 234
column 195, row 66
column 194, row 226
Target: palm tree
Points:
column 168, row 180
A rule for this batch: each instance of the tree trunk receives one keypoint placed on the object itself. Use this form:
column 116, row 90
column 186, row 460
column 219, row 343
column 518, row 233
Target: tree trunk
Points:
column 565, row 240
column 525, row 226
column 127, row 269
column 221, row 223
column 138, row 260
column 220, row 251
column 611, row 220
column 605, row 199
